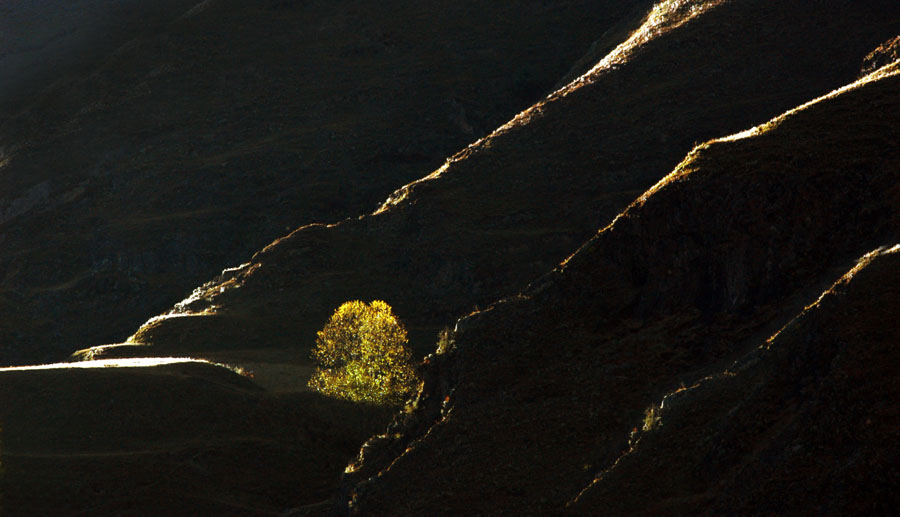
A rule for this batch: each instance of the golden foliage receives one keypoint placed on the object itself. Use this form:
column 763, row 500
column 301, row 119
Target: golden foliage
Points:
column 362, row 355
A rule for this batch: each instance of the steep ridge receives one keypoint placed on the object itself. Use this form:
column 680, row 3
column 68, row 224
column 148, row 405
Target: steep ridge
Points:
column 544, row 390
column 167, row 438
column 512, row 205
column 192, row 147
column 806, row 424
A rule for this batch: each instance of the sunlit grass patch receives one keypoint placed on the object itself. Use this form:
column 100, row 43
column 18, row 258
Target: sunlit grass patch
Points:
column 139, row 362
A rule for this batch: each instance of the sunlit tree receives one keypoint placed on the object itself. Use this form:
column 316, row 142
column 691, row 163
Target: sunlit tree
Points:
column 361, row 355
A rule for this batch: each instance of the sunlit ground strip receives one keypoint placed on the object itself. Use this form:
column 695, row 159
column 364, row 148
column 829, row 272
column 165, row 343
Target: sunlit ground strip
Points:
column 203, row 293
column 861, row 264
column 885, row 71
column 684, row 168
column 402, row 193
column 139, row 362
column 172, row 315
column 664, row 17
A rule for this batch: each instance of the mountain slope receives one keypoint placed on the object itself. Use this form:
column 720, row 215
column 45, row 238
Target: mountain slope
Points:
column 537, row 403
column 543, row 391
column 43, row 41
column 804, row 424
column 126, row 184
column 167, row 437
column 512, row 205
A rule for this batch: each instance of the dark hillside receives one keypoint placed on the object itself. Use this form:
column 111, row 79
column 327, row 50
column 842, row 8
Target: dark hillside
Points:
column 126, row 184
column 185, row 438
column 42, row 41
column 806, row 424
column 682, row 359
column 512, row 205
column 544, row 391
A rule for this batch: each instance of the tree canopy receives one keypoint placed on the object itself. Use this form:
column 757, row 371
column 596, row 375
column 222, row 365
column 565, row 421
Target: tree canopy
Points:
column 361, row 355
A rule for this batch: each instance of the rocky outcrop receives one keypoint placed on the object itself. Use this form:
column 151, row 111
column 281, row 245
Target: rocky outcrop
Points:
column 885, row 54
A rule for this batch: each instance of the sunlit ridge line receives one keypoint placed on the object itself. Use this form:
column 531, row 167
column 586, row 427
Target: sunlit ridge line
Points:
column 888, row 70
column 654, row 25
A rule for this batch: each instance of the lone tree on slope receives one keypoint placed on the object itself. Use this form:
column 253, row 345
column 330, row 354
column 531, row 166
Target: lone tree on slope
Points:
column 361, row 355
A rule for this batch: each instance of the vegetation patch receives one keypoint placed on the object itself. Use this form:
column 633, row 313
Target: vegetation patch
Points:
column 362, row 356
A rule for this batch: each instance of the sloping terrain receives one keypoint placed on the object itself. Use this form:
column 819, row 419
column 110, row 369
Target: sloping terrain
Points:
column 806, row 424
column 167, row 438
column 45, row 40
column 546, row 390
column 544, row 402
column 512, row 205
column 137, row 176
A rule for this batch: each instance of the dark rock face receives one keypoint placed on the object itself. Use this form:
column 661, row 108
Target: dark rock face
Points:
column 514, row 204
column 187, row 147
column 544, row 392
column 804, row 424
